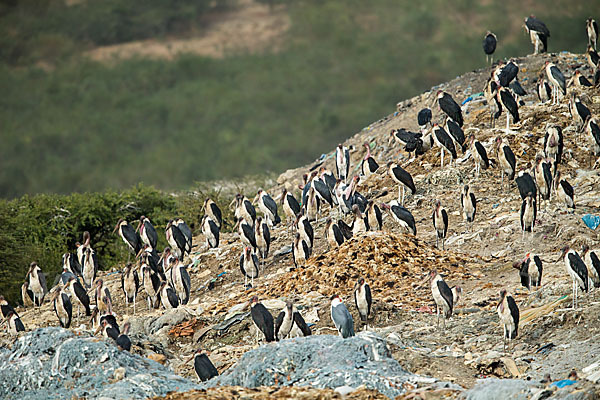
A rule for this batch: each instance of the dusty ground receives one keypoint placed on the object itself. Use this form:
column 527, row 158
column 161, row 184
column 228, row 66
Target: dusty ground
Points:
column 552, row 338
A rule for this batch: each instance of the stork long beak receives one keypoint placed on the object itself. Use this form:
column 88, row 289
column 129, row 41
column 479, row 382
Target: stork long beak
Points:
column 139, row 253
column 98, row 329
column 116, row 227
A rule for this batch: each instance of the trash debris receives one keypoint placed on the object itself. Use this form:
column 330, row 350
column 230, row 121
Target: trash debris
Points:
column 591, row 221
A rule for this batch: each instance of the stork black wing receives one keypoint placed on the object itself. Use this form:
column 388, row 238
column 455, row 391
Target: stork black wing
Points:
column 6, row 309
column 249, row 233
column 345, row 229
column 595, row 265
column 547, row 178
column 445, row 139
column 582, row 110
column 368, row 298
column 309, row 230
column 451, row 108
column 267, row 234
column 403, row 176
column 507, row 74
column 489, row 44
column 510, row 103
column 474, row 201
column 446, row 293
column 83, row 297
column 567, row 188
column 372, row 164
column 378, row 216
column 512, row 161
column 526, row 185
column 293, row 203
column 517, row 88
column 68, row 308
column 278, row 323
column 404, row 215
column 445, row 219
column 560, row 78
column 457, row 133
column 264, row 321
column 301, row 324
column 538, row 264
column 272, row 207
column 580, row 269
column 124, row 342
column 216, row 212
column 250, row 209
column 204, row 368
column 514, row 312
column 524, row 272
column 214, row 229
column 132, row 237
column 323, row 190
column 483, row 154
column 151, row 234
column 535, row 24
column 424, row 116
column 187, row 284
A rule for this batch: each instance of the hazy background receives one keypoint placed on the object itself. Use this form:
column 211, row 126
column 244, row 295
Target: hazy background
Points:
column 285, row 81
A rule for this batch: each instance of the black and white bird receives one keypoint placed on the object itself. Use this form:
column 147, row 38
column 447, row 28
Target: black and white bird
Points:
column 147, row 232
column 508, row 102
column 268, row 207
column 322, row 192
column 402, row 216
column 579, row 80
column 444, row 141
column 518, row 91
column 579, row 112
column 211, row 209
column 305, row 229
column 130, row 284
column 442, row 295
column 151, row 284
column 5, row 308
column 489, row 46
column 479, row 154
column 531, row 275
column 468, row 203
column 180, row 281
column 564, row 191
column 592, row 128
column 249, row 265
column 543, row 177
column 262, row 234
column 123, row 342
column 538, row 33
column 544, row 91
column 506, row 159
column 342, row 162
column 82, row 247
column 37, row 283
column 526, row 185
column 246, row 232
column 359, row 223
column 577, row 270
column 71, row 264
column 262, row 319
column 89, row 266
column 440, row 223
column 63, row 308
column 412, row 141
column 341, row 317
column 102, row 297
column 402, row 178
column 300, row 251
column 557, row 81
column 187, row 233
column 244, row 209
column 312, row 204
column 591, row 28
column 505, row 74
column 289, row 323
column 129, row 236
column 553, row 143
column 290, row 206
column 457, row 135
column 490, row 90
column 211, row 231
column 168, row 296
column 203, row 367
column 424, row 117
column 109, row 330
column 333, row 234
column 508, row 312
column 15, row 325
column 450, row 107
column 374, row 216
column 592, row 262
column 368, row 166
column 363, row 300
column 528, row 214
column 78, row 295
column 26, row 295
column 592, row 57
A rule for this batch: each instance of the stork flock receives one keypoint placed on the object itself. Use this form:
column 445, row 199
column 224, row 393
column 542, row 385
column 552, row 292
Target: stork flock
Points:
column 164, row 276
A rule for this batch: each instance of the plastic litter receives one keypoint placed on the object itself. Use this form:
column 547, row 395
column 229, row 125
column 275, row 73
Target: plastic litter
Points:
column 591, row 221
column 563, row 383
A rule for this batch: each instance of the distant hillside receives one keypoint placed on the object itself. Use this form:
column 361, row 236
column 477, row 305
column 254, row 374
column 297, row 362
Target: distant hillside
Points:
column 70, row 123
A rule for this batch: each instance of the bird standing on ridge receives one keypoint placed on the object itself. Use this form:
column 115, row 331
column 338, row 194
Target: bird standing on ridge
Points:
column 450, row 107
column 267, row 205
column 469, row 204
column 129, row 236
column 440, row 223
column 341, row 317
column 489, row 46
column 342, row 162
column 363, row 300
column 539, row 34
column 508, row 311
column 402, row 178
column 442, row 294
column 577, row 271
column 506, row 158
column 557, row 80
column 262, row 319
column 368, row 166
column 591, row 28
column 37, row 283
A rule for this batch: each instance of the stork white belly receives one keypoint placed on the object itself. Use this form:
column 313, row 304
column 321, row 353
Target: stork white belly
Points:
column 361, row 302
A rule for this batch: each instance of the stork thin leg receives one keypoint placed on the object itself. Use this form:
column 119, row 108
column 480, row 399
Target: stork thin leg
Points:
column 507, row 116
column 438, row 316
column 442, row 151
column 402, row 195
column 134, row 296
column 504, row 337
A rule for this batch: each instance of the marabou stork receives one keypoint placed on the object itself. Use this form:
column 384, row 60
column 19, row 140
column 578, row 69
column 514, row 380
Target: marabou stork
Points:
column 123, row 341
column 579, row 80
column 300, row 251
column 187, row 233
column 130, row 283
column 288, row 321
column 528, row 214
column 591, row 28
column 442, row 294
column 322, row 192
column 263, row 238
column 592, row 262
column 262, row 319
column 457, row 134
column 402, row 178
column 62, row 308
column 531, row 275
column 108, row 330
column 210, row 230
column 359, row 224
column 305, row 229
column 333, row 234
column 203, row 367
column 5, row 308
column 341, row 317
column 577, row 270
column 479, row 154
column 168, row 297
column 592, row 57
column 526, row 185
column 402, row 216
column 506, row 99
column 368, row 166
column 182, row 284
column 410, row 140
column 329, row 179
column 374, row 217
column 440, row 223
column 82, row 247
column 424, row 117
column 469, row 204
column 151, row 283
column 103, row 299
column 312, row 204
column 553, row 144
column 363, row 300
column 176, row 239
column 543, row 177
column 342, row 162
column 129, row 236
column 490, row 90
column 346, row 195
column 592, row 128
column 78, row 292
column 579, row 112
column 564, row 192
column 37, row 283
column 518, row 91
column 290, row 206
column 539, row 34
column 211, row 209
column 15, row 325
column 557, row 80
column 450, row 107
column 90, row 266
column 246, row 232
column 544, row 91
column 443, row 141
column 249, row 265
column 508, row 312
column 504, row 74
column 267, row 205
column 147, row 232
column 244, row 209
column 489, row 46
column 66, row 275
column 71, row 264
column 506, row 158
